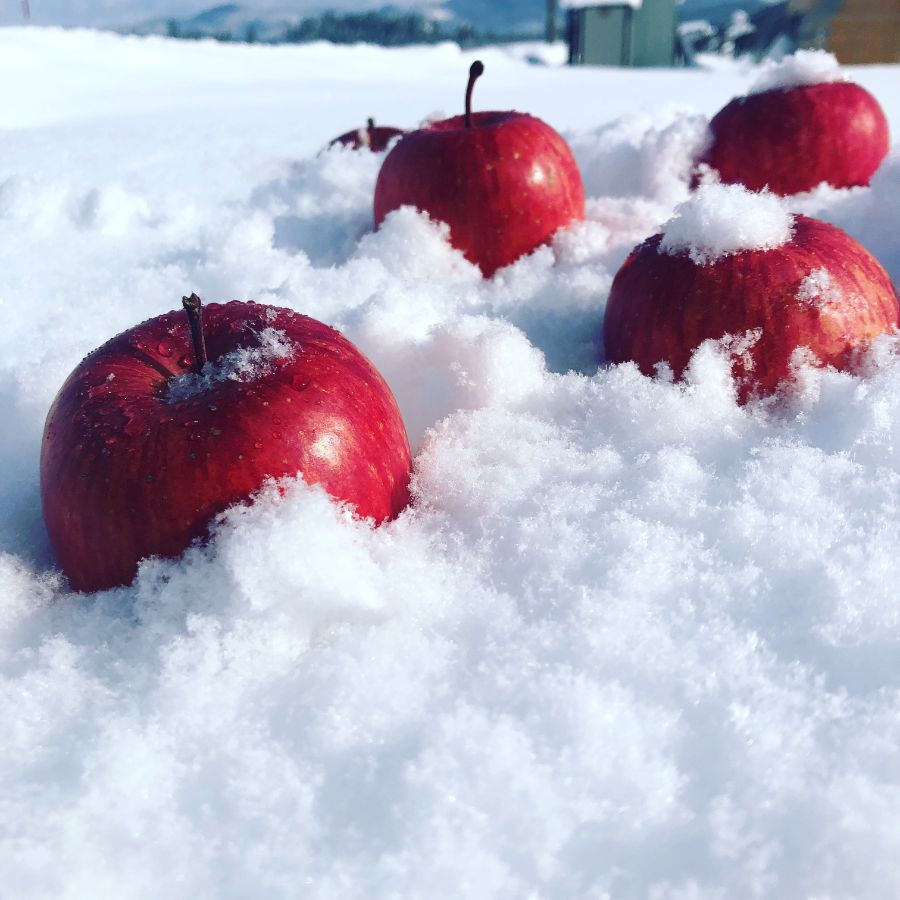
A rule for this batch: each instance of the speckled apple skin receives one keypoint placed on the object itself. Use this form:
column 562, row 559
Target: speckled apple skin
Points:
column 127, row 474
column 791, row 140
column 661, row 307
column 504, row 186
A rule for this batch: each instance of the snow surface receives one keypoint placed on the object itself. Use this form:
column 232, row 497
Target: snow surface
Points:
column 802, row 68
column 719, row 220
column 631, row 641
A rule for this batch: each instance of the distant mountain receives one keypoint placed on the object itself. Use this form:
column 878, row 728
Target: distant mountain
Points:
column 238, row 22
column 519, row 17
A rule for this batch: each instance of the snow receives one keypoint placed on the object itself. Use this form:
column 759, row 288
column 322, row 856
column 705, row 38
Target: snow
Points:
column 805, row 67
column 631, row 640
column 245, row 364
column 720, row 220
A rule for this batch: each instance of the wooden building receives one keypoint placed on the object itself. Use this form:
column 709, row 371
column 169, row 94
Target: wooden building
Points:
column 636, row 33
column 856, row 31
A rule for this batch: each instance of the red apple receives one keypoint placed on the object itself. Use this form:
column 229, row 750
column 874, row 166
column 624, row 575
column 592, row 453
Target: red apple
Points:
column 140, row 452
column 821, row 290
column 792, row 139
column 373, row 137
column 503, row 181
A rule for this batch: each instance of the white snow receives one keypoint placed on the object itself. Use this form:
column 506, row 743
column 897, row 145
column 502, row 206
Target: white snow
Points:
column 244, row 364
column 720, row 220
column 631, row 640
column 805, row 67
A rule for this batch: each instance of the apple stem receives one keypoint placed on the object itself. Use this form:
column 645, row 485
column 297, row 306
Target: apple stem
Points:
column 370, row 122
column 192, row 306
column 476, row 70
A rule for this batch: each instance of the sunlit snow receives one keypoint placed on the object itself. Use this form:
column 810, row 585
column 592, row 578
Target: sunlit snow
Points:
column 720, row 220
column 632, row 640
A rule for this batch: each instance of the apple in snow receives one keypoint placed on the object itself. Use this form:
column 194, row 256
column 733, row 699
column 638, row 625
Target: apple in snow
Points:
column 737, row 264
column 147, row 441
column 793, row 136
column 504, row 182
column 373, row 137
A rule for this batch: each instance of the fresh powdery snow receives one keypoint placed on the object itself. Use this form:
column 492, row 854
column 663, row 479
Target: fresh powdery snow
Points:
column 719, row 220
column 244, row 364
column 631, row 640
column 805, row 67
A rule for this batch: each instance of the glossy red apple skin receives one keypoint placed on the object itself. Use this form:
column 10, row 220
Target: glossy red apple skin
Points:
column 127, row 474
column 375, row 139
column 791, row 140
column 662, row 307
column 504, row 186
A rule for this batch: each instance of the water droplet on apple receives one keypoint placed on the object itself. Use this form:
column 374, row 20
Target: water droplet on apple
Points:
column 212, row 407
column 258, row 445
column 299, row 383
column 164, row 349
column 150, row 478
column 185, row 360
column 276, row 435
column 215, row 432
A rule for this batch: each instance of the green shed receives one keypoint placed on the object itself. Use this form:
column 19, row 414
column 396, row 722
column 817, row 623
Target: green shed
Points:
column 633, row 33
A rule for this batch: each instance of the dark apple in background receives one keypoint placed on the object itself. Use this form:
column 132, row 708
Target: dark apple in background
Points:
column 373, row 137
column 662, row 307
column 126, row 473
column 504, row 182
column 792, row 139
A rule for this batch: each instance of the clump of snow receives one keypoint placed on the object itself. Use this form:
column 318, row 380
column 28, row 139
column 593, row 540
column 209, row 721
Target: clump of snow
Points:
column 241, row 364
column 723, row 219
column 819, row 290
column 804, row 67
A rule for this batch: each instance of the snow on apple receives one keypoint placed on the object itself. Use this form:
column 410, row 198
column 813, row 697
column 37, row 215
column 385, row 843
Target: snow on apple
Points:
column 630, row 639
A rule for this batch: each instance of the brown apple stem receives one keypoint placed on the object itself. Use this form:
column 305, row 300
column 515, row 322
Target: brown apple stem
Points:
column 370, row 123
column 476, row 70
column 193, row 306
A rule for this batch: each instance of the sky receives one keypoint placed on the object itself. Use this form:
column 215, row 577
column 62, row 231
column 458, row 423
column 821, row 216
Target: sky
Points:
column 117, row 12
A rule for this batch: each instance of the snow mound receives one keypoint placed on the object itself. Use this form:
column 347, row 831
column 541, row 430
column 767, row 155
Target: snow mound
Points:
column 805, row 67
column 720, row 220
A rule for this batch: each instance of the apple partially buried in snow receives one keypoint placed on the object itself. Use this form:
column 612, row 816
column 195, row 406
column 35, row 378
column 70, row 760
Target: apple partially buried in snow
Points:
column 811, row 286
column 373, row 137
column 504, row 182
column 147, row 441
column 794, row 138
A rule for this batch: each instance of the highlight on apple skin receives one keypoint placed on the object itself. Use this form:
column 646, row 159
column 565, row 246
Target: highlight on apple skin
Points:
column 147, row 441
column 821, row 290
column 504, row 182
column 790, row 140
